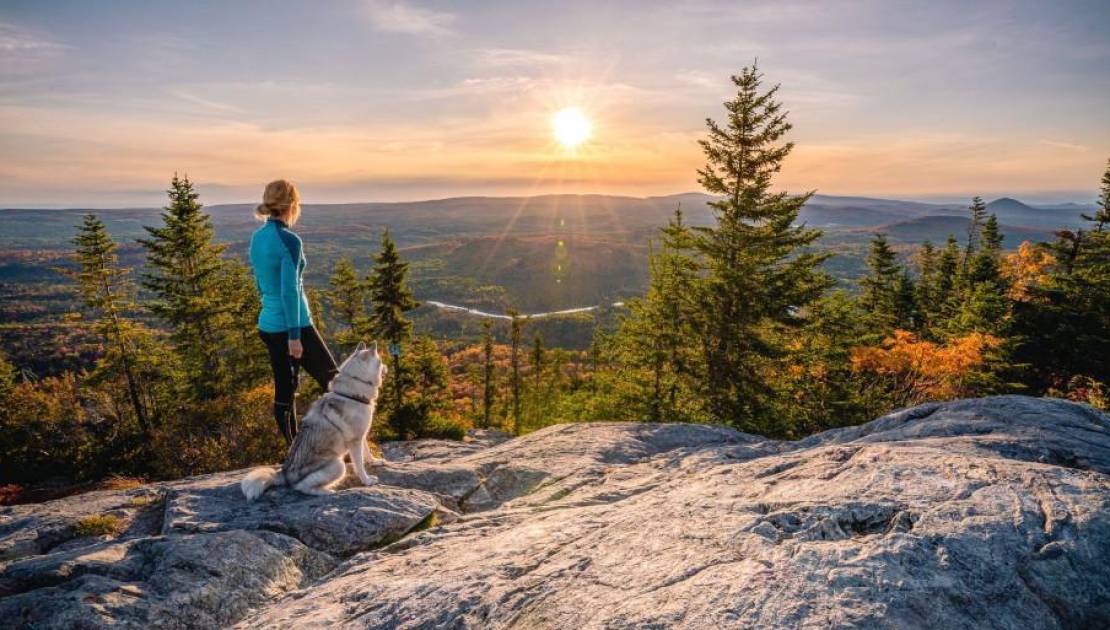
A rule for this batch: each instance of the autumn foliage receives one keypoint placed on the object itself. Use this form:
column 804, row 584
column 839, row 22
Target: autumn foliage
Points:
column 1028, row 267
column 917, row 370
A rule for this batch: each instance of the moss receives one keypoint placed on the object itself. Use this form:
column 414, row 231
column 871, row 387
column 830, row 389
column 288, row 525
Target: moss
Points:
column 144, row 500
column 98, row 525
column 428, row 522
column 561, row 493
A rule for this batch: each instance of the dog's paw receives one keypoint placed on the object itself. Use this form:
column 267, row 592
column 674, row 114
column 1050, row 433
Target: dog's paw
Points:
column 369, row 480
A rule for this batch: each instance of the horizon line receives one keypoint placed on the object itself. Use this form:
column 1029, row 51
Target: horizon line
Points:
column 1062, row 197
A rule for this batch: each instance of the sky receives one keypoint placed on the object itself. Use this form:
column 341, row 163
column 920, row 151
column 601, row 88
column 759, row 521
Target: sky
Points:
column 384, row 100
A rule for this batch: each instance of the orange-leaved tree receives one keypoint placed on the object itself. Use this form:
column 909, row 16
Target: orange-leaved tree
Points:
column 914, row 371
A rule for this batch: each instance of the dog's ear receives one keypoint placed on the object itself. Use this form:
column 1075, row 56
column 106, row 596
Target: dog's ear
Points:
column 375, row 347
column 360, row 347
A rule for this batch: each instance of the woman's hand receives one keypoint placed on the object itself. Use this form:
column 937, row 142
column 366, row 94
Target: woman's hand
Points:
column 295, row 348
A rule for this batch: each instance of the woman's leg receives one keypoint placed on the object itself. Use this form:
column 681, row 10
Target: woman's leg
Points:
column 317, row 359
column 285, row 383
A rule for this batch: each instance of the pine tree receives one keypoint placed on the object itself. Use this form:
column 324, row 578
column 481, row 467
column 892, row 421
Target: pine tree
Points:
column 759, row 275
column 992, row 235
column 539, row 353
column 946, row 286
column 516, row 325
column 1064, row 327
column 106, row 292
column 878, row 285
column 983, row 303
column 347, row 302
column 185, row 272
column 905, row 312
column 487, row 372
column 390, row 299
column 978, row 218
column 427, row 393
column 657, row 334
column 925, row 290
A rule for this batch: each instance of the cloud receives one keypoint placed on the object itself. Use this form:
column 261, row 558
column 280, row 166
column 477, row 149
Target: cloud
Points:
column 518, row 57
column 402, row 17
column 24, row 52
column 15, row 39
column 1067, row 146
column 700, row 79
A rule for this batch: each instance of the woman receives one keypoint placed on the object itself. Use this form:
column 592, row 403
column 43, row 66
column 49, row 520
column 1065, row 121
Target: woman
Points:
column 285, row 323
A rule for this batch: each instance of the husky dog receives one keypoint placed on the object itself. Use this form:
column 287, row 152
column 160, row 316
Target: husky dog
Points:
column 335, row 425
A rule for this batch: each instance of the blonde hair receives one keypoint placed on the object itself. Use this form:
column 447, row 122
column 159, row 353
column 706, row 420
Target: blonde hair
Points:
column 280, row 200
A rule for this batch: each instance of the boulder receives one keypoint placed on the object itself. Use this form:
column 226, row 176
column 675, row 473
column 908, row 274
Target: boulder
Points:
column 990, row 512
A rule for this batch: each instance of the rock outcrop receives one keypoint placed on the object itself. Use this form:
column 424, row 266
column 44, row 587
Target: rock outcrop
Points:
column 979, row 513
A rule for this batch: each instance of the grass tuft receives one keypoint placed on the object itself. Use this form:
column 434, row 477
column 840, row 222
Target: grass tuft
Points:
column 99, row 525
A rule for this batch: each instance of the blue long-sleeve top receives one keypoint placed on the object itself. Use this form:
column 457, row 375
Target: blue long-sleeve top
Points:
column 278, row 261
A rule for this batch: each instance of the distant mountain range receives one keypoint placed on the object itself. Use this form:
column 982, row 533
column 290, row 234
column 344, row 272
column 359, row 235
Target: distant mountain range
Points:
column 597, row 216
column 541, row 253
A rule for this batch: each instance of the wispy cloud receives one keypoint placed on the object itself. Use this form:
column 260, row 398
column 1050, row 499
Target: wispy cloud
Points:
column 700, row 79
column 207, row 104
column 16, row 39
column 1067, row 146
column 24, row 52
column 403, row 17
column 518, row 57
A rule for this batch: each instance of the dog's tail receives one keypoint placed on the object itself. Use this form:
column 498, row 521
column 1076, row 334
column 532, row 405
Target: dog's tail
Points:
column 258, row 480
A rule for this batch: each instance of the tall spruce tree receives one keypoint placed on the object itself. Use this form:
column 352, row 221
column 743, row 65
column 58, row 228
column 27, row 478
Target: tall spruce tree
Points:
column 106, row 291
column 759, row 274
column 654, row 341
column 879, row 285
column 977, row 219
column 390, row 299
column 186, row 275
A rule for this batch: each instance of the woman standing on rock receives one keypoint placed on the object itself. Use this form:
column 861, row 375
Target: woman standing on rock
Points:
column 285, row 323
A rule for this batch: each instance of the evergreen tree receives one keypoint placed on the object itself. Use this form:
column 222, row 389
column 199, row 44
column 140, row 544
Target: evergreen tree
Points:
column 992, row 235
column 759, row 275
column 487, row 372
column 539, row 353
column 983, row 300
column 946, row 285
column 879, row 285
column 657, row 334
column 391, row 298
column 1064, row 328
column 347, row 301
column 906, row 315
column 925, row 290
column 185, row 272
column 425, row 381
column 978, row 218
column 106, row 292
column 516, row 325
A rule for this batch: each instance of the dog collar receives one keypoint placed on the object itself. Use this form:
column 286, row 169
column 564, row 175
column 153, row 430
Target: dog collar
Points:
column 365, row 401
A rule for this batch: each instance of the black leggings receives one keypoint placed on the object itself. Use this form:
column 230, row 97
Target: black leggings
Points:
column 316, row 360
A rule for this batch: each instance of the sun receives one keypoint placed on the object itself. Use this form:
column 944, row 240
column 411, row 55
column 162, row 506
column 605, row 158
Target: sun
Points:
column 571, row 127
